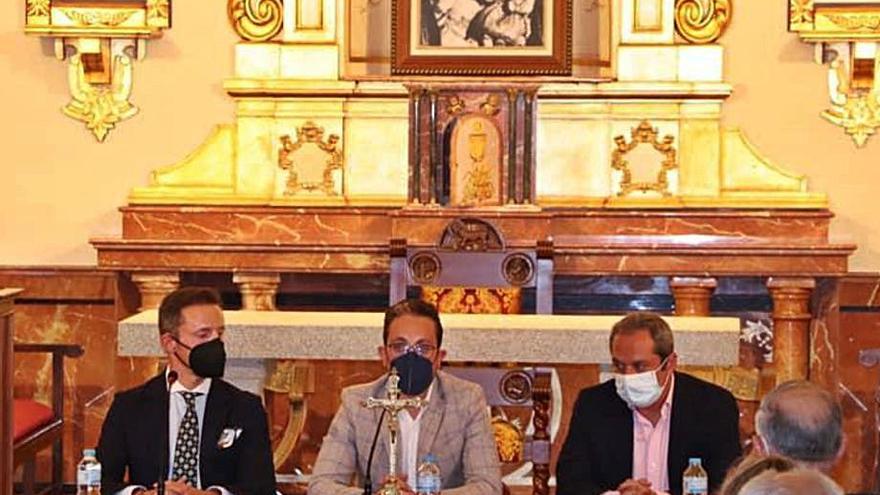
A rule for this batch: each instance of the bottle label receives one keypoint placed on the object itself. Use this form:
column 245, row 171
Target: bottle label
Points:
column 89, row 475
column 696, row 485
column 428, row 484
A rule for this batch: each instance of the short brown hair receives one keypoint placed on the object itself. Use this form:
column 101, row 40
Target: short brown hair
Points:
column 749, row 468
column 415, row 307
column 660, row 332
column 172, row 306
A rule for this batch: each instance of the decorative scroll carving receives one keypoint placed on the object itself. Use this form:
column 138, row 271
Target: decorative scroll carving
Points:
column 644, row 134
column 310, row 161
column 98, row 17
column 100, row 107
column 470, row 234
column 702, row 21
column 856, row 111
column 256, row 20
column 855, row 22
column 295, row 381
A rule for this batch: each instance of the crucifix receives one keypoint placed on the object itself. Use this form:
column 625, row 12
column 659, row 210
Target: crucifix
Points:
column 392, row 404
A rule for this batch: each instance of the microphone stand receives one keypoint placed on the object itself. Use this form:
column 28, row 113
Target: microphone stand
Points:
column 163, row 465
column 368, row 479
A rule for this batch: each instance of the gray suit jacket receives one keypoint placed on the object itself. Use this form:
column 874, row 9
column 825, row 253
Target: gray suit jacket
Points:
column 454, row 427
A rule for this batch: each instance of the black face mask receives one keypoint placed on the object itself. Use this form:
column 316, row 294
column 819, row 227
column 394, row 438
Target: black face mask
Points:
column 208, row 359
column 416, row 373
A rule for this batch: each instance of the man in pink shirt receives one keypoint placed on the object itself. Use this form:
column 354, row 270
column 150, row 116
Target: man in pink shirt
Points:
column 634, row 435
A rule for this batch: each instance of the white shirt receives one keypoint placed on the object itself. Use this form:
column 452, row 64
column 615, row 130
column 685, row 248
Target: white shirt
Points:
column 176, row 410
column 409, row 441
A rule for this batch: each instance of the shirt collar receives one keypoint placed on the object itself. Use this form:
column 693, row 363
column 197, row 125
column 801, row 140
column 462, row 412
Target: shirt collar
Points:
column 202, row 388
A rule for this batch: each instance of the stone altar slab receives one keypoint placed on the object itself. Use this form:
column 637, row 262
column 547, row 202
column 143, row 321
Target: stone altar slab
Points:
column 547, row 339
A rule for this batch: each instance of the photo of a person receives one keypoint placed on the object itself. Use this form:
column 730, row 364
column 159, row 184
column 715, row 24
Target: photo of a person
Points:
column 481, row 23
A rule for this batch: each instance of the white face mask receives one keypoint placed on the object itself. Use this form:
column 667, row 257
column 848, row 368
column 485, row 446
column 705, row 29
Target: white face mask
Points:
column 639, row 389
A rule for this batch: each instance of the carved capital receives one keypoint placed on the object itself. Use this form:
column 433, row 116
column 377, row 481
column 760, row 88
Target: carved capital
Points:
column 692, row 295
column 258, row 290
column 153, row 286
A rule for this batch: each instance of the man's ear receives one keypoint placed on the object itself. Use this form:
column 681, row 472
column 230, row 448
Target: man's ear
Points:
column 759, row 445
column 383, row 356
column 167, row 342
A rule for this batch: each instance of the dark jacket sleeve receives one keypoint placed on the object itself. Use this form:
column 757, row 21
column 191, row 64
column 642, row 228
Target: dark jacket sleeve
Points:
column 574, row 474
column 255, row 471
column 726, row 446
column 111, row 451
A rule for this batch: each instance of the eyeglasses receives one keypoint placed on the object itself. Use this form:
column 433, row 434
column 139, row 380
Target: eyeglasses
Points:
column 422, row 348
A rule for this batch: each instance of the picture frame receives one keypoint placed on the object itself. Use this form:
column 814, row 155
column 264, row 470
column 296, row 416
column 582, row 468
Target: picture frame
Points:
column 481, row 37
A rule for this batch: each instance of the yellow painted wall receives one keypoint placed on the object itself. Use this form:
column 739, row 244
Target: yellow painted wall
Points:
column 59, row 187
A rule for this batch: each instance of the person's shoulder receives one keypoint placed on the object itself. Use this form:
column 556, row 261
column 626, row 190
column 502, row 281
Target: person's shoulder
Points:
column 692, row 386
column 357, row 393
column 238, row 395
column 140, row 392
column 459, row 388
column 598, row 393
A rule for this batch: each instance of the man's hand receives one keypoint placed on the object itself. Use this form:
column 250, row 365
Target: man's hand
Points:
column 400, row 481
column 179, row 487
column 635, row 487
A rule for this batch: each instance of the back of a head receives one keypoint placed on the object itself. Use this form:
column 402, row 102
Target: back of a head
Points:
column 795, row 482
column 750, row 467
column 801, row 421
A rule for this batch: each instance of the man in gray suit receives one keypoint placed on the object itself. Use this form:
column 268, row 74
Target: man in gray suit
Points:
column 454, row 425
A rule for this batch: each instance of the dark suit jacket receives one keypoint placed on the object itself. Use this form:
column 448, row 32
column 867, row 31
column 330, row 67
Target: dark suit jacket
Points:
column 135, row 437
column 597, row 455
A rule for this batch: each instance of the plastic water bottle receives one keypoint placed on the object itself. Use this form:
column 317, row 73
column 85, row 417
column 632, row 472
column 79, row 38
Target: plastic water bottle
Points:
column 695, row 481
column 88, row 474
column 428, row 476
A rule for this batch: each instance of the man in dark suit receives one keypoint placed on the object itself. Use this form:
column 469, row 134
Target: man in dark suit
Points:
column 635, row 434
column 218, row 440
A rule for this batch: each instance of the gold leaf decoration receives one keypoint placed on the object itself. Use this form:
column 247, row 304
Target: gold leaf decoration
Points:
column 867, row 22
column 158, row 9
column 98, row 18
column 100, row 107
column 702, row 21
column 859, row 116
column 256, row 20
column 37, row 8
column 800, row 13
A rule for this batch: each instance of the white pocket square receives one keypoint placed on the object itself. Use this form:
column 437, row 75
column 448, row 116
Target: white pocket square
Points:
column 228, row 437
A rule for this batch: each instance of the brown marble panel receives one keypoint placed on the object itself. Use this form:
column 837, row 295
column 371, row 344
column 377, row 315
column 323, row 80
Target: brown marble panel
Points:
column 808, row 226
column 126, row 255
column 257, row 225
column 425, row 225
column 693, row 262
column 860, row 289
column 88, row 386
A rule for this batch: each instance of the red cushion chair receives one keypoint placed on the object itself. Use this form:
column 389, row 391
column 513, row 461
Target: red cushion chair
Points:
column 37, row 426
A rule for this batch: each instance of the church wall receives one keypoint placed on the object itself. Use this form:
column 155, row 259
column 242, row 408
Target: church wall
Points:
column 58, row 175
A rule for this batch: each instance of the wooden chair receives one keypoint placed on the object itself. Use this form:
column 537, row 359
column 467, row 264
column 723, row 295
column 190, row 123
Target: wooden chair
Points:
column 471, row 253
column 37, row 426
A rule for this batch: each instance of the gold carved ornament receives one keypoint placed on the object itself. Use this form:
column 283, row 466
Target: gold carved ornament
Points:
column 800, row 14
column 295, row 381
column 644, row 134
column 702, row 21
column 310, row 133
column 856, row 111
column 478, row 187
column 100, row 107
column 256, row 20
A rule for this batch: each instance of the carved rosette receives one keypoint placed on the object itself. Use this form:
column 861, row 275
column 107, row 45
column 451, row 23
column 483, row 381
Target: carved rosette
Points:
column 256, row 20
column 644, row 134
column 800, row 14
column 702, row 21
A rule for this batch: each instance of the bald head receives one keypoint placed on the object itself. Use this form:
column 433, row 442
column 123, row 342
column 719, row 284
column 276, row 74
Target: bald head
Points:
column 795, row 482
column 802, row 422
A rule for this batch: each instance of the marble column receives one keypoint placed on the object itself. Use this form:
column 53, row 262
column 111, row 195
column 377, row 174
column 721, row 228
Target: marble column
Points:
column 791, row 326
column 692, row 295
column 153, row 286
column 258, row 290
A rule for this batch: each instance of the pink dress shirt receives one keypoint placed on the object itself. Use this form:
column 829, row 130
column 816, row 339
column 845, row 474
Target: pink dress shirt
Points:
column 651, row 446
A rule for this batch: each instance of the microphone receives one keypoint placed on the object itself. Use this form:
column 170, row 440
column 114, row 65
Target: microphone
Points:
column 368, row 481
column 163, row 464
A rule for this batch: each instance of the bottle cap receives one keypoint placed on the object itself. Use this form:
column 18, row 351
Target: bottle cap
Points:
column 88, row 452
column 430, row 458
column 695, row 460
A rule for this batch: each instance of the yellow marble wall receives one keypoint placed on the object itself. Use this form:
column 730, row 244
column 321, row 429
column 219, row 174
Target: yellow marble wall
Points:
column 73, row 185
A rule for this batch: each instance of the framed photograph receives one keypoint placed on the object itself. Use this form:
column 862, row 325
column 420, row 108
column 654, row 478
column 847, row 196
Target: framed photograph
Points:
column 481, row 37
